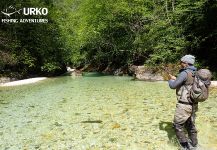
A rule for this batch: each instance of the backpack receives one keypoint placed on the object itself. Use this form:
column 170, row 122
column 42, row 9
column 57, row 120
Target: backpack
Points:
column 199, row 91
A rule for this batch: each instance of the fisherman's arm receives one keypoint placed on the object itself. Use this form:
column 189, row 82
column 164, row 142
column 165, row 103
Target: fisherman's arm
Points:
column 176, row 82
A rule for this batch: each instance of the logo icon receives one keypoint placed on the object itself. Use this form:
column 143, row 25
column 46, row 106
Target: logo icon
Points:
column 10, row 11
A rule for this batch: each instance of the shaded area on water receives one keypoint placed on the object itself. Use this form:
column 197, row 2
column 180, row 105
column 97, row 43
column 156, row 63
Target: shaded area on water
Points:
column 104, row 112
column 93, row 74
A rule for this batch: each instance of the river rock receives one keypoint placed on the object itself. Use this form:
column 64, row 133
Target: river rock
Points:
column 118, row 72
column 6, row 79
column 142, row 73
column 213, row 84
column 73, row 72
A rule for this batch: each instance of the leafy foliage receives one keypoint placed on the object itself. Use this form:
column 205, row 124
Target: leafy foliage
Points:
column 112, row 33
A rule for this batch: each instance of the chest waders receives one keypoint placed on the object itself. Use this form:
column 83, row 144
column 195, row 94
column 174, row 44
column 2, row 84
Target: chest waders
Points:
column 184, row 117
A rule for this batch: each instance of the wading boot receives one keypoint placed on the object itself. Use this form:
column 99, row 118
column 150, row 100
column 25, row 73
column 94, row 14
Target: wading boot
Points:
column 185, row 146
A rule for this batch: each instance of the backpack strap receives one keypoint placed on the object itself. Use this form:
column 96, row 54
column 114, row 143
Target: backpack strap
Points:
column 190, row 77
column 189, row 81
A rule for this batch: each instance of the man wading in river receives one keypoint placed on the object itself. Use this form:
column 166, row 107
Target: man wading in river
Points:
column 185, row 108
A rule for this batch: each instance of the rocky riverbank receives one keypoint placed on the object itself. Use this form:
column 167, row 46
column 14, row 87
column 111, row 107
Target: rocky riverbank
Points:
column 6, row 79
column 145, row 74
column 139, row 72
column 22, row 82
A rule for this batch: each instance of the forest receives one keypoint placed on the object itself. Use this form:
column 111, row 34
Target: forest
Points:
column 99, row 34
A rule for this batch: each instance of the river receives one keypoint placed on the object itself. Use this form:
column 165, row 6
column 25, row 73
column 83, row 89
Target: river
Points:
column 96, row 112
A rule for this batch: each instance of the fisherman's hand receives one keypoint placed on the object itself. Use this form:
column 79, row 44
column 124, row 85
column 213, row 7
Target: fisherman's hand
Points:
column 172, row 77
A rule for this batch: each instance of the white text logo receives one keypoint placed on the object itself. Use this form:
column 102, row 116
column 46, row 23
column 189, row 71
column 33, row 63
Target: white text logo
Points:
column 32, row 11
column 35, row 11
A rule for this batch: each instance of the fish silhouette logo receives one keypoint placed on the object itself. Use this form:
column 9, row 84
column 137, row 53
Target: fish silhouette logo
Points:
column 10, row 11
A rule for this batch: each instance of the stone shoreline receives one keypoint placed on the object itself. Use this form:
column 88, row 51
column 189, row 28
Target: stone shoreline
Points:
column 34, row 80
column 23, row 82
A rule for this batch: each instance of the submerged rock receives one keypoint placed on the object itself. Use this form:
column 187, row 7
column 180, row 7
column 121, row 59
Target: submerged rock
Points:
column 92, row 121
column 116, row 125
column 57, row 124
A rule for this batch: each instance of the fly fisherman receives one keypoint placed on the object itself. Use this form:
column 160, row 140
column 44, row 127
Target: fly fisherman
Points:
column 185, row 108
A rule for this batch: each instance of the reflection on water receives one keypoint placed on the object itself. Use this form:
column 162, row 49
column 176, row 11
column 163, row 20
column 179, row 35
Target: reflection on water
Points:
column 96, row 113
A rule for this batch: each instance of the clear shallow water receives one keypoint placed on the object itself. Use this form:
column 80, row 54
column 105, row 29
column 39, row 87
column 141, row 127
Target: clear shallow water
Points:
column 96, row 113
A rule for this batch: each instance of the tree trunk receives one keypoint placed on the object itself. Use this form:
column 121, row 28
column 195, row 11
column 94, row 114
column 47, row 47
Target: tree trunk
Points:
column 173, row 5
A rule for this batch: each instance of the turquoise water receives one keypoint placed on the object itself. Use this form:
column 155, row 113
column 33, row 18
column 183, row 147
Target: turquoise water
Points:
column 91, row 112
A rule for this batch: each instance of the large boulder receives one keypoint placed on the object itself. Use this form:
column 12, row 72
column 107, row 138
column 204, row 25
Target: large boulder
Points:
column 73, row 72
column 146, row 74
